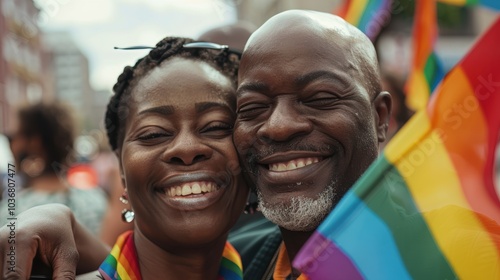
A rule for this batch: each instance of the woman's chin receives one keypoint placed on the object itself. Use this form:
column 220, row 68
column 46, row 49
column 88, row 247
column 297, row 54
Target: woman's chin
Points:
column 194, row 234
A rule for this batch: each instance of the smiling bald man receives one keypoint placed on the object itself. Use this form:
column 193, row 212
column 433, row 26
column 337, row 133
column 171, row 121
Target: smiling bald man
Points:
column 311, row 114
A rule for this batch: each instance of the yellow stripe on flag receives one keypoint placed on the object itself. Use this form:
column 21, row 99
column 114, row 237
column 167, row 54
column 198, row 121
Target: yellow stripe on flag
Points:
column 457, row 230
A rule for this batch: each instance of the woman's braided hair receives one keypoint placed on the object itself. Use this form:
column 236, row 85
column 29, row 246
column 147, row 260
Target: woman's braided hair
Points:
column 116, row 113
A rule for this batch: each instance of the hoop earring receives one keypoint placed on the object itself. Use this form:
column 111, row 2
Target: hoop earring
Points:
column 127, row 214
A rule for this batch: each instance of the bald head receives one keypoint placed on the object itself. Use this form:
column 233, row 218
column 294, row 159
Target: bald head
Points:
column 311, row 28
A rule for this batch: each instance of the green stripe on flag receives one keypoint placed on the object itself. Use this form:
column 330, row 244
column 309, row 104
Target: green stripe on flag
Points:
column 384, row 191
column 231, row 266
column 430, row 70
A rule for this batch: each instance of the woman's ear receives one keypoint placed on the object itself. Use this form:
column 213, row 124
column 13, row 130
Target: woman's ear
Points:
column 117, row 153
column 382, row 114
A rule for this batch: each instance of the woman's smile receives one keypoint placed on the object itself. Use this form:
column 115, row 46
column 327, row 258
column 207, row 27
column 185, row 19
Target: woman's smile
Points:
column 192, row 191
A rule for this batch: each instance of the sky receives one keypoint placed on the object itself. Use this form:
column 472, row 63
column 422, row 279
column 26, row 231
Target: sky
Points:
column 99, row 25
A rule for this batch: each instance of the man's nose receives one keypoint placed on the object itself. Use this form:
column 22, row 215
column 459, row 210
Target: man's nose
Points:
column 285, row 123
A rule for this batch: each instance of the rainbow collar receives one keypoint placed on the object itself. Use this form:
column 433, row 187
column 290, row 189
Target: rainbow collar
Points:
column 122, row 263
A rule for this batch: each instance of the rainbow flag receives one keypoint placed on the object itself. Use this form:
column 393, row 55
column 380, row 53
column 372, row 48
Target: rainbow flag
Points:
column 494, row 4
column 426, row 71
column 231, row 267
column 122, row 262
column 427, row 208
column 367, row 15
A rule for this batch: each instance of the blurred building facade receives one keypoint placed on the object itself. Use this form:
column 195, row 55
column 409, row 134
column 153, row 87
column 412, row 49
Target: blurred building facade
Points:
column 21, row 58
column 100, row 101
column 37, row 66
column 70, row 72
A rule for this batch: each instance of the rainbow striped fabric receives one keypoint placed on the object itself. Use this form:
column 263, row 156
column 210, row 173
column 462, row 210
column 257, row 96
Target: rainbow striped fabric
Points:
column 367, row 15
column 427, row 208
column 494, row 4
column 426, row 70
column 230, row 265
column 122, row 264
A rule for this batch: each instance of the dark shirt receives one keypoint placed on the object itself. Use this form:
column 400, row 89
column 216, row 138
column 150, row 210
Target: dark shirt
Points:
column 257, row 241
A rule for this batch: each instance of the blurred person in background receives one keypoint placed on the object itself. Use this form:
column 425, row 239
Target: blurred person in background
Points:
column 42, row 147
column 400, row 112
column 234, row 35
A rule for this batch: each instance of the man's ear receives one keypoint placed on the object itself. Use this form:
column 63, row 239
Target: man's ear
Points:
column 382, row 114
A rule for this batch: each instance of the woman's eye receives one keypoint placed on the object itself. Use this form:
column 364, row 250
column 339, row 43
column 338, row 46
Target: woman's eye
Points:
column 219, row 127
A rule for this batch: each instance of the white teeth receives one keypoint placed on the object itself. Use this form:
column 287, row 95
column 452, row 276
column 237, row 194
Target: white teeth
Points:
column 281, row 167
column 196, row 188
column 186, row 189
column 191, row 188
column 292, row 164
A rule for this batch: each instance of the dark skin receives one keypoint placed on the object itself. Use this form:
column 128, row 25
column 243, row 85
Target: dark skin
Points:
column 303, row 94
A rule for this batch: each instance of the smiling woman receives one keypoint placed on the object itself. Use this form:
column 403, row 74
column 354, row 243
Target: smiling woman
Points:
column 170, row 123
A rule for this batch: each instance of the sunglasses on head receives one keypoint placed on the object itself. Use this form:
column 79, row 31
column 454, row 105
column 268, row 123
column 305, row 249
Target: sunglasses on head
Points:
column 192, row 45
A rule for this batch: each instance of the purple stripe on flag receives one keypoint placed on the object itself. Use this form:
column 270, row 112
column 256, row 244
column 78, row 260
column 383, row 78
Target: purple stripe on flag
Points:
column 319, row 249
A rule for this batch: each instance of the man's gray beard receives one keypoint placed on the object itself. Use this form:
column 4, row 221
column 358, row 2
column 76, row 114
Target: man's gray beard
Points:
column 301, row 213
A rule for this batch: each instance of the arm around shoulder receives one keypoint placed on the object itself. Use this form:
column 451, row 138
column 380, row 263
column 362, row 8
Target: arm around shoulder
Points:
column 51, row 233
